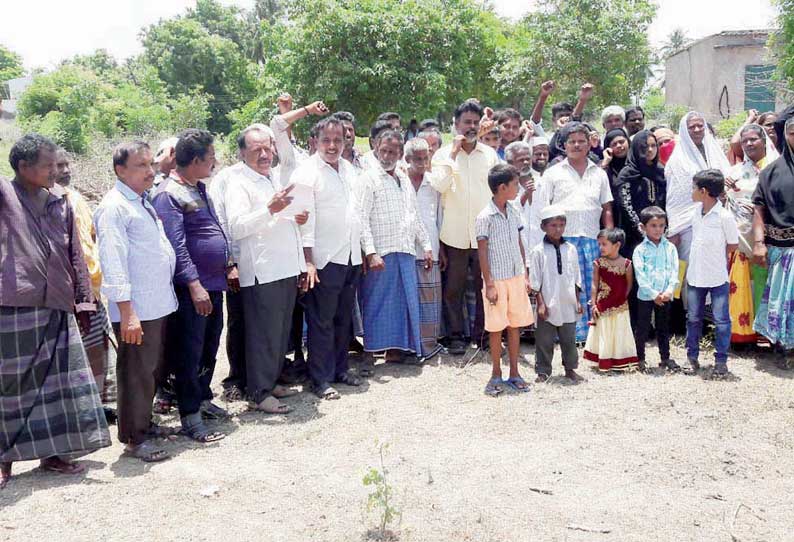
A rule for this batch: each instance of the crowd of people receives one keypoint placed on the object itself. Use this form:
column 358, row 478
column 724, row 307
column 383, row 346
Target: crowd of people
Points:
column 417, row 247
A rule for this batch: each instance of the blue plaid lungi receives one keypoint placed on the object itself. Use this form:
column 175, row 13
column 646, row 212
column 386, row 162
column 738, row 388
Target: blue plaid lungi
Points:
column 390, row 306
column 589, row 252
column 49, row 403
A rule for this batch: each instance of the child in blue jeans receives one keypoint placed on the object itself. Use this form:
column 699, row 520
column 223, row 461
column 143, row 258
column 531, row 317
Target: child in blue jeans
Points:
column 714, row 237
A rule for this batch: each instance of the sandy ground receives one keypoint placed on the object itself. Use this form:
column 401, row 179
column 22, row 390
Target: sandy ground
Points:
column 643, row 457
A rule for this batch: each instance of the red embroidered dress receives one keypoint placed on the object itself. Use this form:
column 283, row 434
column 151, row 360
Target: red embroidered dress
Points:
column 610, row 341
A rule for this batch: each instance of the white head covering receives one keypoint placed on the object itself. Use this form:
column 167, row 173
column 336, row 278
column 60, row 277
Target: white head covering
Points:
column 685, row 161
column 539, row 140
column 165, row 148
column 551, row 211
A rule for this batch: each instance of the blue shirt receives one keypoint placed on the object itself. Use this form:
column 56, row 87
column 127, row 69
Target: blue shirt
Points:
column 655, row 268
column 190, row 222
column 136, row 258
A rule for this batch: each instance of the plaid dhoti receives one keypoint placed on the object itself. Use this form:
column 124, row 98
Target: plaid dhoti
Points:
column 589, row 252
column 49, row 404
column 100, row 327
column 429, row 285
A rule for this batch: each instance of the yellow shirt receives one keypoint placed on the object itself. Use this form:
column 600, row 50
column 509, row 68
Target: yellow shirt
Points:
column 85, row 228
column 463, row 184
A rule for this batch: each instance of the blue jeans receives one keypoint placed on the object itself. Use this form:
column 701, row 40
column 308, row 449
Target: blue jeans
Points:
column 192, row 344
column 696, row 301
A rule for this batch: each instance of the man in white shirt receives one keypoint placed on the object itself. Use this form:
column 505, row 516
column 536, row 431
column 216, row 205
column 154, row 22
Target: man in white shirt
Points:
column 460, row 174
column 581, row 189
column 138, row 264
column 391, row 229
column 428, row 206
column 531, row 196
column 331, row 245
column 290, row 156
column 270, row 260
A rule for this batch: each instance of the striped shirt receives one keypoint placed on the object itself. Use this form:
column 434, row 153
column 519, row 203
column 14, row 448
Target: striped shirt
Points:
column 503, row 233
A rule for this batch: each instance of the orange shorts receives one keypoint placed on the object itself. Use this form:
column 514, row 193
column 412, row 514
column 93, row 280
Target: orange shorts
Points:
column 512, row 308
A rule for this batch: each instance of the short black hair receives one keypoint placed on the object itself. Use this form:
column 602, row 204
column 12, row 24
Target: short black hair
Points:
column 613, row 235
column 577, row 128
column 635, row 109
column 345, row 116
column 192, row 143
column 376, row 129
column 389, row 115
column 501, row 174
column 123, row 151
column 561, row 108
column 469, row 106
column 428, row 123
column 712, row 180
column 28, row 148
column 649, row 213
column 509, row 113
column 325, row 123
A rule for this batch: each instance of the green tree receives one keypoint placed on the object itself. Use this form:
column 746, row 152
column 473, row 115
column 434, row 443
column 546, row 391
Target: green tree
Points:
column 782, row 42
column 604, row 42
column 10, row 65
column 676, row 41
column 189, row 59
column 416, row 57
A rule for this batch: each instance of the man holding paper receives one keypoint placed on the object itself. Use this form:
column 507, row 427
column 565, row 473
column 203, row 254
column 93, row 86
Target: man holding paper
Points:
column 331, row 244
column 270, row 262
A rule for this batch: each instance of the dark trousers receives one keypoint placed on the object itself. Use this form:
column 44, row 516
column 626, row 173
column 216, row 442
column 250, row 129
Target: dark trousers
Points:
column 268, row 315
column 329, row 314
column 235, row 340
column 138, row 367
column 296, row 336
column 459, row 262
column 193, row 342
column 545, row 335
column 645, row 310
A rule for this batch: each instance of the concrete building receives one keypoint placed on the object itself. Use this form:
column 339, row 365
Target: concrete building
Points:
column 10, row 92
column 723, row 74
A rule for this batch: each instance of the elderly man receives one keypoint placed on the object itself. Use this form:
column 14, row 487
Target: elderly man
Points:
column 433, row 138
column 581, row 189
column 460, row 174
column 331, row 244
column 612, row 117
column 96, row 341
column 203, row 261
column 391, row 229
column 270, row 261
column 137, row 270
column 531, row 196
column 428, row 206
column 165, row 159
column 50, row 407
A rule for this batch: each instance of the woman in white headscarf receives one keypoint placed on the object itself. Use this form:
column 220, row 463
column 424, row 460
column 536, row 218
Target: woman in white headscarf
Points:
column 697, row 149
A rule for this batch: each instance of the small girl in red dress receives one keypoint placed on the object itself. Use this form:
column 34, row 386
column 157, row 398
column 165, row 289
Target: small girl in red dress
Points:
column 610, row 341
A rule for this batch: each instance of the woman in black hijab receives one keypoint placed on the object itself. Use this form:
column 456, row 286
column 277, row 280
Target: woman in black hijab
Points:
column 616, row 152
column 640, row 184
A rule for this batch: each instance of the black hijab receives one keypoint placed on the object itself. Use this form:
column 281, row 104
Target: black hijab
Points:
column 637, row 167
column 616, row 164
column 775, row 190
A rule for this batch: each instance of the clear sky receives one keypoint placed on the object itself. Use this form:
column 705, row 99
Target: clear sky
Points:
column 47, row 31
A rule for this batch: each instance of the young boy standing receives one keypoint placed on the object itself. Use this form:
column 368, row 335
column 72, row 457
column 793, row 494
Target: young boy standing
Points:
column 556, row 283
column 656, row 272
column 714, row 237
column 505, row 282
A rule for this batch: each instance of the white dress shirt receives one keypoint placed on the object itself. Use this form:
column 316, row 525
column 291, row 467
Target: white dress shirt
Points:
column 389, row 219
column 557, row 288
column 269, row 246
column 530, row 213
column 333, row 230
column 582, row 197
column 463, row 184
column 136, row 257
column 711, row 233
column 428, row 207
column 217, row 191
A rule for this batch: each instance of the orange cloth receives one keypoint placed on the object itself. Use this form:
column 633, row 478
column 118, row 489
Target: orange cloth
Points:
column 512, row 308
column 84, row 219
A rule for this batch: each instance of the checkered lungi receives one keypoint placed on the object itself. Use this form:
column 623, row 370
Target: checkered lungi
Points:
column 589, row 252
column 49, row 403
column 429, row 284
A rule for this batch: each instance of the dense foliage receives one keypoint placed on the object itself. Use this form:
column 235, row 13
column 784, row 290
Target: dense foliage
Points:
column 10, row 65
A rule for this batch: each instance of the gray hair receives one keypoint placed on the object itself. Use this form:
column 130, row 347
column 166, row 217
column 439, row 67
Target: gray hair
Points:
column 513, row 148
column 415, row 144
column 255, row 127
column 611, row 111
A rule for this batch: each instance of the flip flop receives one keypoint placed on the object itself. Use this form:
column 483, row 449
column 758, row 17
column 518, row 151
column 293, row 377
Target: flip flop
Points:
column 515, row 383
column 56, row 464
column 270, row 405
column 494, row 387
column 147, row 452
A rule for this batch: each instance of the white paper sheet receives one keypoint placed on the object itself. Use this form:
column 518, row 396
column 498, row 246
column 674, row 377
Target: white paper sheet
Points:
column 301, row 196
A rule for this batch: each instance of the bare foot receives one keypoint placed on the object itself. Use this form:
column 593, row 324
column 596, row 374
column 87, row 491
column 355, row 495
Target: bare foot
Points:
column 5, row 474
